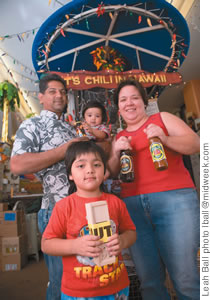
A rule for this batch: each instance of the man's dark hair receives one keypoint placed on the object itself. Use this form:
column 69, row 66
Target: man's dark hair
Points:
column 76, row 149
column 43, row 83
column 133, row 82
column 91, row 104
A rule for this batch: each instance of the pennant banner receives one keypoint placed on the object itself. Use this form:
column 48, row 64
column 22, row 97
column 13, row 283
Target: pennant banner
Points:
column 84, row 80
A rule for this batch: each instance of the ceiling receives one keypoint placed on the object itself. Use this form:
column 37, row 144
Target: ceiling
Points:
column 20, row 20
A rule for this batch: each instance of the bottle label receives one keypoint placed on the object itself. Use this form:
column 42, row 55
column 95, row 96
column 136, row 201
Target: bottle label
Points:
column 126, row 164
column 157, row 152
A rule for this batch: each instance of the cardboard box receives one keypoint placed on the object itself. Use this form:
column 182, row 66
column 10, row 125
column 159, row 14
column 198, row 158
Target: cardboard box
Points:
column 11, row 230
column 1, row 217
column 12, row 245
column 13, row 262
column 13, row 216
column 3, row 206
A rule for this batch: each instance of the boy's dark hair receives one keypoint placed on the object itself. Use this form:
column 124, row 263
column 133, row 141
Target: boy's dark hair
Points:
column 43, row 83
column 91, row 104
column 136, row 84
column 78, row 148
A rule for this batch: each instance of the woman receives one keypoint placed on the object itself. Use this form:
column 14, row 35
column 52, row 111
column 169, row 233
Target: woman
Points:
column 163, row 204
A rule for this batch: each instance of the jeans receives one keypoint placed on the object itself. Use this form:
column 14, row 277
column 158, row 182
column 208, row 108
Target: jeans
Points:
column 54, row 263
column 167, row 225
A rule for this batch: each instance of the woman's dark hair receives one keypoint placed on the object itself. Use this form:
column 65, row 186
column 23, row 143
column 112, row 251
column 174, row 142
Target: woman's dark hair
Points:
column 97, row 104
column 136, row 84
column 43, row 83
column 78, row 148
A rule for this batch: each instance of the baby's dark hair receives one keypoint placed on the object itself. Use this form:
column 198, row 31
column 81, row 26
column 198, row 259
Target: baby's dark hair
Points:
column 130, row 81
column 78, row 148
column 97, row 104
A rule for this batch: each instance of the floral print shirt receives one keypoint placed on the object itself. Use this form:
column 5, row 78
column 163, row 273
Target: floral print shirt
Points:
column 43, row 133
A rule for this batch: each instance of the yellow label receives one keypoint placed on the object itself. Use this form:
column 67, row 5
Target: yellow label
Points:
column 102, row 229
column 157, row 152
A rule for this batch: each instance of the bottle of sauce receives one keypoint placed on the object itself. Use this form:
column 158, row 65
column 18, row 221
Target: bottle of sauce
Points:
column 79, row 128
column 126, row 166
column 158, row 154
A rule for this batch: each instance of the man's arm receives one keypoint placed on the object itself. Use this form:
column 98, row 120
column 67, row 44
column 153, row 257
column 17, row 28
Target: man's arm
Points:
column 33, row 162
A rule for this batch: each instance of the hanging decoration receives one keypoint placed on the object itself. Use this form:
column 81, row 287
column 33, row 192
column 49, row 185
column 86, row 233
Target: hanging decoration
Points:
column 100, row 10
column 145, row 15
column 17, row 62
column 22, row 36
column 106, row 58
column 149, row 22
column 8, row 98
column 145, row 35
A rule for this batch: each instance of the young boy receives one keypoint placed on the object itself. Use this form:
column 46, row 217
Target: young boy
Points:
column 67, row 233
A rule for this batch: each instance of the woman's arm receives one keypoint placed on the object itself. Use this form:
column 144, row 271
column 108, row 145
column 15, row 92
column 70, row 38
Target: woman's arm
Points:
column 181, row 137
column 33, row 162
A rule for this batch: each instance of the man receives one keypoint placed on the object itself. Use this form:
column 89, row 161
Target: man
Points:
column 40, row 146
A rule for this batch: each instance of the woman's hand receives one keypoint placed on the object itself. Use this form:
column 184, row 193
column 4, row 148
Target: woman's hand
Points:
column 181, row 138
column 153, row 130
column 123, row 143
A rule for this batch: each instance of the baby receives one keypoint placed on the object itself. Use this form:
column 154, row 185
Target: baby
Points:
column 94, row 115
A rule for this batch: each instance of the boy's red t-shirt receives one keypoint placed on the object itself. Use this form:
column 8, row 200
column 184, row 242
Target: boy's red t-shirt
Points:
column 81, row 278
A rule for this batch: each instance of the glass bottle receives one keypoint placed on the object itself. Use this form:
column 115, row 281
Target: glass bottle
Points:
column 158, row 154
column 126, row 166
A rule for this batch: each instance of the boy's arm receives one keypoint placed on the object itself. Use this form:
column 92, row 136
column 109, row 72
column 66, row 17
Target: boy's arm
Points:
column 118, row 242
column 85, row 246
column 127, row 239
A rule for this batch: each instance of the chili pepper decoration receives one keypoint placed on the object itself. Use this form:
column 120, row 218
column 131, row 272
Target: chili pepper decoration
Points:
column 183, row 55
column 100, row 10
column 149, row 22
column 47, row 48
column 45, row 53
column 62, row 32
